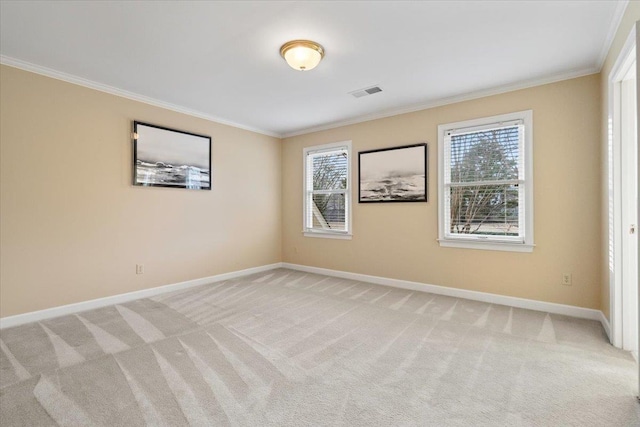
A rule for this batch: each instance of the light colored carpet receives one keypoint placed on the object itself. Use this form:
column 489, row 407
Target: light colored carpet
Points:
column 288, row 348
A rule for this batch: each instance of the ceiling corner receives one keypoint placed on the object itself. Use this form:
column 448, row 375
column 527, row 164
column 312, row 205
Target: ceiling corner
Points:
column 621, row 7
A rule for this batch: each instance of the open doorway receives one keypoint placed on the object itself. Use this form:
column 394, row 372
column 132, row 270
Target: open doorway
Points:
column 623, row 199
column 629, row 199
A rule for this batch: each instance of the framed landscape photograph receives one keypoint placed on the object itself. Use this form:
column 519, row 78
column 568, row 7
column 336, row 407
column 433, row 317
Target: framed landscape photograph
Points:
column 395, row 174
column 164, row 157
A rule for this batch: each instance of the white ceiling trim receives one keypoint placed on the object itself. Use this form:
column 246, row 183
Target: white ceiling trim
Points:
column 621, row 7
column 49, row 72
column 70, row 78
column 447, row 101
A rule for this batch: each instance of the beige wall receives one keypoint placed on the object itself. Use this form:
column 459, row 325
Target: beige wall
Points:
column 72, row 225
column 631, row 15
column 399, row 240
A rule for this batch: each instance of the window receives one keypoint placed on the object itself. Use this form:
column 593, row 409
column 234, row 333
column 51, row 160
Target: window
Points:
column 485, row 183
column 327, row 191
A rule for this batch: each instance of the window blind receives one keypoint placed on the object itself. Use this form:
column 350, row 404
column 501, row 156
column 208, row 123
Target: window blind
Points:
column 484, row 182
column 326, row 189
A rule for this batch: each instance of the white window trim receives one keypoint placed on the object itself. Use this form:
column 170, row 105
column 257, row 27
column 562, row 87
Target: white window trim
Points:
column 310, row 232
column 480, row 243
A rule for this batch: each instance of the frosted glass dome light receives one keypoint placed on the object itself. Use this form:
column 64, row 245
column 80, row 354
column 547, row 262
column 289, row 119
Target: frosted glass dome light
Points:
column 302, row 55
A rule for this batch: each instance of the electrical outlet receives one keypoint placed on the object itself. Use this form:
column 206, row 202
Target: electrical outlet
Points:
column 139, row 269
column 566, row 279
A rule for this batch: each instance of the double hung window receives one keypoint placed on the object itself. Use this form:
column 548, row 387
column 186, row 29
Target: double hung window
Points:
column 485, row 183
column 327, row 190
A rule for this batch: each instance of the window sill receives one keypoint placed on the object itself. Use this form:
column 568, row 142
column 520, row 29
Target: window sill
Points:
column 327, row 235
column 487, row 246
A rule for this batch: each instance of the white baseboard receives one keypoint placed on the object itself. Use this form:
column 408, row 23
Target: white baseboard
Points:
column 568, row 310
column 605, row 324
column 549, row 307
column 34, row 316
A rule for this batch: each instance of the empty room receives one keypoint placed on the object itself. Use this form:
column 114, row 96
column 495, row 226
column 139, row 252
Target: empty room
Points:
column 301, row 213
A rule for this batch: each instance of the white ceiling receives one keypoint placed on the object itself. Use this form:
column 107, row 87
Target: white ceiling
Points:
column 220, row 60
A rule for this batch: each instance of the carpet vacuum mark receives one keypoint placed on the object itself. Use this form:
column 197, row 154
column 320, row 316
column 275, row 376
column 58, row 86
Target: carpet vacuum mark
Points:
column 286, row 348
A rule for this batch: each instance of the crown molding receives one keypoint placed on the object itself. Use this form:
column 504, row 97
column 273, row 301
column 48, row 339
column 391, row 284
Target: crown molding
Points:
column 48, row 72
column 621, row 7
column 70, row 78
column 447, row 101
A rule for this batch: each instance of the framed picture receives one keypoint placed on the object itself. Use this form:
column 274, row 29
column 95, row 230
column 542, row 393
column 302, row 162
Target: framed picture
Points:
column 395, row 174
column 164, row 157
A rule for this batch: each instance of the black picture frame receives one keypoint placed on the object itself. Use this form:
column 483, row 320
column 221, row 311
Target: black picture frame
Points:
column 394, row 174
column 165, row 157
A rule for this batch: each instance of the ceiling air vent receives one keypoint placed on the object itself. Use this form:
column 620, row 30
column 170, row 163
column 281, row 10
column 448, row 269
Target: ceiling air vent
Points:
column 365, row 92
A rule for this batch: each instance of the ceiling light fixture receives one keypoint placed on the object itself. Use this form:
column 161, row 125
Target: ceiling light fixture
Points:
column 302, row 55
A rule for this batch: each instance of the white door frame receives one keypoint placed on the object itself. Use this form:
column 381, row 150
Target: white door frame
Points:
column 616, row 228
column 629, row 194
